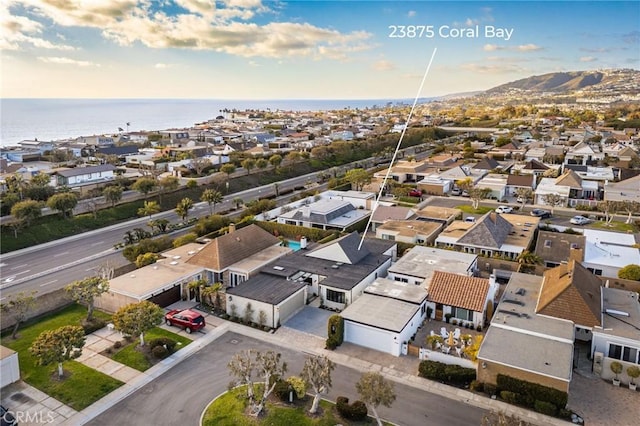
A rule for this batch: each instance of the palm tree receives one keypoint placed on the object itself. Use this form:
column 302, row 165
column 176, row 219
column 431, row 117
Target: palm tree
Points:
column 149, row 209
column 528, row 258
column 212, row 292
column 183, row 208
column 212, row 197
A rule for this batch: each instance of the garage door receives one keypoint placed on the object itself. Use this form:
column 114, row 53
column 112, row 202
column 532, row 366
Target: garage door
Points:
column 166, row 298
column 368, row 337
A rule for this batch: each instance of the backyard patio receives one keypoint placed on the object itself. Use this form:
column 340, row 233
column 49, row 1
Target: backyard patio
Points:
column 453, row 338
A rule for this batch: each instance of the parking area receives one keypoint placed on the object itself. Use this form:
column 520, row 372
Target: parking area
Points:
column 310, row 320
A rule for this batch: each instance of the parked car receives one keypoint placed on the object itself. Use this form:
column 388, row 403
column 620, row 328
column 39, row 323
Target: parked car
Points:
column 504, row 209
column 190, row 320
column 541, row 213
column 415, row 193
column 6, row 417
column 469, row 219
column 522, row 200
column 456, row 191
column 579, row 220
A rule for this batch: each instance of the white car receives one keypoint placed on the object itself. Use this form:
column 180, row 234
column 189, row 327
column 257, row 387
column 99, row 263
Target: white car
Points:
column 579, row 220
column 504, row 209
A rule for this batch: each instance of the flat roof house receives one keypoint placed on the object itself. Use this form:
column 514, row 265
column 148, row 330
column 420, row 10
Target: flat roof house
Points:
column 325, row 214
column 608, row 252
column 557, row 247
column 84, row 175
column 418, row 265
column 524, row 345
column 385, row 316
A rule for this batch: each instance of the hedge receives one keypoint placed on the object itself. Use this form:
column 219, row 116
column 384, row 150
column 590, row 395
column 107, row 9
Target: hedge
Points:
column 450, row 374
column 335, row 331
column 545, row 407
column 293, row 231
column 147, row 245
column 532, row 391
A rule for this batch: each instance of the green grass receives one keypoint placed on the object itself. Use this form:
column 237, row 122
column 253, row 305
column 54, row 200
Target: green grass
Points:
column 82, row 385
column 470, row 210
column 229, row 408
column 615, row 226
column 130, row 356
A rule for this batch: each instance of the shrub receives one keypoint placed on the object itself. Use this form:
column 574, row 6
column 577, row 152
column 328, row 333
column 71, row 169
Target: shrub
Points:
column 509, row 397
column 476, row 386
column 451, row 374
column 117, row 345
column 563, row 413
column 282, row 390
column 159, row 352
column 94, row 325
column 335, row 332
column 545, row 407
column 357, row 411
column 432, row 370
column 531, row 392
column 490, row 389
column 163, row 341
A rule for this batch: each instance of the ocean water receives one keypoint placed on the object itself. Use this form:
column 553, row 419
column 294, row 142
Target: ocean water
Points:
column 55, row 119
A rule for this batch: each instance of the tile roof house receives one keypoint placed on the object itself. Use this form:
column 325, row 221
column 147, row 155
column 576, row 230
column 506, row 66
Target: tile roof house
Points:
column 233, row 257
column 385, row 316
column 571, row 292
column 463, row 297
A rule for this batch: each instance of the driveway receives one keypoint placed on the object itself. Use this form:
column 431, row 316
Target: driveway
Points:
column 310, row 320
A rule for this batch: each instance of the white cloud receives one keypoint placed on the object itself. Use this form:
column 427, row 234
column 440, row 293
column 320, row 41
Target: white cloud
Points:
column 521, row 48
column 254, row 64
column 383, row 65
column 501, row 68
column 17, row 31
column 66, row 61
column 162, row 66
column 471, row 22
column 528, row 47
column 202, row 26
column 588, row 59
column 412, row 13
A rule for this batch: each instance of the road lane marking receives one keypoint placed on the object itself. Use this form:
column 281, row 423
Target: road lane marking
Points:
column 23, row 272
column 18, row 267
column 61, row 254
column 47, row 283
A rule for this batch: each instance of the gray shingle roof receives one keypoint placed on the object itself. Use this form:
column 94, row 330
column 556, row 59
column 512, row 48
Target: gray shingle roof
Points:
column 79, row 171
column 266, row 288
column 491, row 231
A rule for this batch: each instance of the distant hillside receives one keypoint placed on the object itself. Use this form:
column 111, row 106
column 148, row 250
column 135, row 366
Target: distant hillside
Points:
column 560, row 82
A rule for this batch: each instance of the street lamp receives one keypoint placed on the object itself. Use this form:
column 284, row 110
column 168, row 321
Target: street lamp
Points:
column 227, row 184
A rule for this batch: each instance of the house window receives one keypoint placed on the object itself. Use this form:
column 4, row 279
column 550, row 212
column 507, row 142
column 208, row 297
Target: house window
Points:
column 595, row 271
column 402, row 280
column 463, row 314
column 547, row 243
column 624, row 353
column 388, row 237
column 335, row 296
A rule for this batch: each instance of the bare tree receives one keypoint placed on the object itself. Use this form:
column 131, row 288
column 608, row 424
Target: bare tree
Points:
column 552, row 200
column 266, row 366
column 317, row 374
column 19, row 305
column 374, row 391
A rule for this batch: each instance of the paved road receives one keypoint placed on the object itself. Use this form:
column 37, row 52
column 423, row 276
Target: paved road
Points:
column 180, row 395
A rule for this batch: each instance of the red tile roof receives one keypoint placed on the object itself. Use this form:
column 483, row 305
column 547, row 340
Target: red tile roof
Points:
column 458, row 290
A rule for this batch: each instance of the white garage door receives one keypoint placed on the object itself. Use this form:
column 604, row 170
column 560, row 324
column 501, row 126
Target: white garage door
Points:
column 369, row 337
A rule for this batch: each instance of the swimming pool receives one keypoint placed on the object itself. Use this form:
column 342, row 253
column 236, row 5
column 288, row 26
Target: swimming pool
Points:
column 294, row 245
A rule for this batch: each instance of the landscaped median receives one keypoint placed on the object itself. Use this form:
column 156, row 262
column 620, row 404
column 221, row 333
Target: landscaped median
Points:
column 80, row 385
column 230, row 409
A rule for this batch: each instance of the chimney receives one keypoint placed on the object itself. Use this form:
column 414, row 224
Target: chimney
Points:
column 576, row 254
column 306, row 211
column 232, row 227
column 303, row 242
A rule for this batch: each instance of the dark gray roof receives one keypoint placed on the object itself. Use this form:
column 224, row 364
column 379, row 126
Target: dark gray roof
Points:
column 491, row 231
column 267, row 288
column 344, row 276
column 323, row 218
column 118, row 150
column 535, row 165
column 575, row 167
column 487, row 163
column 79, row 171
column 556, row 246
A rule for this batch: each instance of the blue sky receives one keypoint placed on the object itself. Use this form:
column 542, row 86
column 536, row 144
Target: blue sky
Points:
column 253, row 49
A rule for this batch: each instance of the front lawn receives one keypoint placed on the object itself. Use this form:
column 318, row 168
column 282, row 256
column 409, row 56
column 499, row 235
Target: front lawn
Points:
column 470, row 210
column 81, row 385
column 615, row 226
column 229, row 409
column 140, row 358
